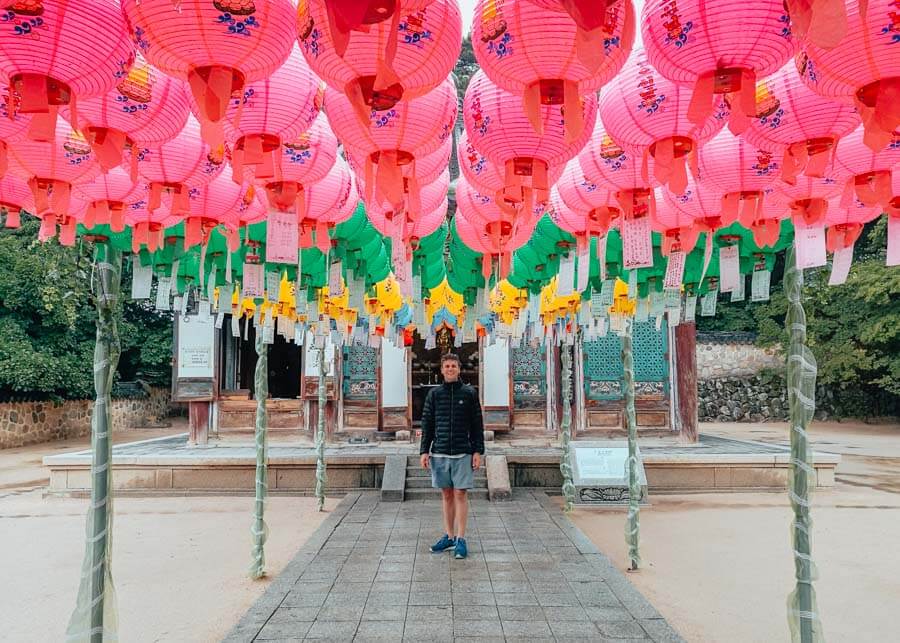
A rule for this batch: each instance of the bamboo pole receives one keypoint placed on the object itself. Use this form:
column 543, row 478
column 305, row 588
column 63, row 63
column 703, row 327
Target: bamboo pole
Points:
column 321, row 475
column 260, row 530
column 565, row 464
column 632, row 525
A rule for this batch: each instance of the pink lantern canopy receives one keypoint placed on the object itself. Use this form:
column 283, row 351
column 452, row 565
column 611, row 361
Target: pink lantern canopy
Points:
column 386, row 61
column 272, row 110
column 544, row 57
column 717, row 48
column 414, row 230
column 845, row 224
column 147, row 227
column 742, row 173
column 144, row 109
column 63, row 223
column 808, row 200
column 394, row 138
column 427, row 169
column 52, row 167
column 498, row 127
column 703, row 204
column 15, row 195
column 808, row 126
column 218, row 46
column 11, row 129
column 868, row 174
column 44, row 48
column 305, row 159
column 679, row 230
column 582, row 207
column 647, row 114
column 107, row 196
column 218, row 202
column 178, row 165
column 401, row 220
column 493, row 242
column 328, row 202
column 864, row 69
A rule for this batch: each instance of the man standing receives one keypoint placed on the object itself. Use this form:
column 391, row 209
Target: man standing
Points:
column 452, row 447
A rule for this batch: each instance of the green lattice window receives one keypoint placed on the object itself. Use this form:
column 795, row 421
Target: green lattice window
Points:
column 360, row 373
column 603, row 369
column 650, row 347
column 529, row 369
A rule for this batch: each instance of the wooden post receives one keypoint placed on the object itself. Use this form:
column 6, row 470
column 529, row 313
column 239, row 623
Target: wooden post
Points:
column 686, row 379
column 198, row 413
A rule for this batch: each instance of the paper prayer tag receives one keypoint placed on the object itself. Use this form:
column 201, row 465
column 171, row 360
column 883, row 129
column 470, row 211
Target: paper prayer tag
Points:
column 281, row 237
column 840, row 266
column 253, row 280
column 729, row 268
column 637, row 246
column 142, row 279
column 810, row 244
column 674, row 271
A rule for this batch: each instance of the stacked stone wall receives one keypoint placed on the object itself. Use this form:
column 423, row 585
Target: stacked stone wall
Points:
column 734, row 356
column 31, row 422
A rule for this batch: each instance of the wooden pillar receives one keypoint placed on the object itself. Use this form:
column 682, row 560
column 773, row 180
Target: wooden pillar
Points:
column 198, row 413
column 686, row 379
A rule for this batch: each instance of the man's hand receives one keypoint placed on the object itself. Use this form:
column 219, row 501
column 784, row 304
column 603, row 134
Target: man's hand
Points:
column 424, row 460
column 476, row 460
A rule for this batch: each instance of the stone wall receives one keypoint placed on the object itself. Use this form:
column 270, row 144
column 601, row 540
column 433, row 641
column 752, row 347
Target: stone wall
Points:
column 733, row 355
column 746, row 399
column 29, row 422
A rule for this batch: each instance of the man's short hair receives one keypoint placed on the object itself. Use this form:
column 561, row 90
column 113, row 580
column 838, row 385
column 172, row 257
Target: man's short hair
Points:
column 450, row 357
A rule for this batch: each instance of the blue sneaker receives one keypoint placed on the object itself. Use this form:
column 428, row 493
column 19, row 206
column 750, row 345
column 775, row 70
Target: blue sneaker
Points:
column 461, row 551
column 445, row 543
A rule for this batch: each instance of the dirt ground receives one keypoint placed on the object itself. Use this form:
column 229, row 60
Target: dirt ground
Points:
column 179, row 564
column 719, row 566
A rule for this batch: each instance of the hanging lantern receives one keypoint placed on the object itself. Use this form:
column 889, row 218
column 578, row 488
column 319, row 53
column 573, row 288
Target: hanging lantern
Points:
column 717, row 48
column 270, row 111
column 63, row 225
column 868, row 174
column 582, row 207
column 384, row 216
column 495, row 240
column 545, row 57
column 305, row 159
column 107, row 197
column 845, row 223
column 703, row 203
column 498, row 127
column 328, row 203
column 146, row 108
column 15, row 196
column 147, row 227
column 401, row 50
column 865, row 69
column 679, row 230
column 11, row 129
column 218, row 202
column 218, row 47
column 51, row 168
column 409, row 231
column 395, row 138
column 806, row 125
column 647, row 114
column 427, row 169
column 742, row 173
column 57, row 53
column 808, row 199
column 178, row 165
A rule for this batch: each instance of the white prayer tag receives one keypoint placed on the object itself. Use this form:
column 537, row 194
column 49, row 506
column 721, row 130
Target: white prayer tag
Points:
column 893, row 241
column 220, row 319
column 584, row 268
column 810, row 244
column 335, row 283
column 637, row 246
column 273, row 285
column 738, row 293
column 607, row 292
column 708, row 304
column 729, row 268
column 657, row 303
column 840, row 266
column 142, row 279
column 564, row 283
column 632, row 284
column 211, row 285
column 759, row 285
column 674, row 271
column 281, row 237
column 673, row 305
column 163, row 291
column 597, row 307
column 690, row 308
column 203, row 310
column 253, row 280
column 177, row 305
column 235, row 326
column 299, row 334
column 642, row 310
column 269, row 334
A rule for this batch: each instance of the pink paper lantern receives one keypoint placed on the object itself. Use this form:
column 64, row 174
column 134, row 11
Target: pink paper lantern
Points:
column 144, row 109
column 717, row 48
column 430, row 198
column 484, row 208
column 15, row 195
column 218, row 202
column 544, row 57
column 742, row 173
column 703, row 204
column 147, row 227
column 868, row 174
column 409, row 231
column 55, row 53
column 679, row 231
column 11, row 129
column 424, row 171
column 271, row 110
column 401, row 50
column 845, row 223
column 494, row 240
column 178, row 165
column 395, row 138
column 864, row 69
column 107, row 197
column 583, row 208
column 808, row 199
column 789, row 115
column 63, row 224
column 51, row 168
column 647, row 114
column 498, row 127
column 217, row 46
column 328, row 202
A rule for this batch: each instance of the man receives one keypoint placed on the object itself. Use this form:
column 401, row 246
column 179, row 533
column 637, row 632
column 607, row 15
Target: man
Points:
column 452, row 447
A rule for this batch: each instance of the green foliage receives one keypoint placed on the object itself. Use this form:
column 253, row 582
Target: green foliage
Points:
column 47, row 322
column 465, row 68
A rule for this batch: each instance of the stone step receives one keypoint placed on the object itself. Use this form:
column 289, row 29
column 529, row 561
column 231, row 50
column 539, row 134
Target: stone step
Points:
column 429, row 494
column 425, row 483
column 418, row 472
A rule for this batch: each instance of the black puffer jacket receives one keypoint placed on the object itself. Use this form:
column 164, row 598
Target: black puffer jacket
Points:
column 451, row 420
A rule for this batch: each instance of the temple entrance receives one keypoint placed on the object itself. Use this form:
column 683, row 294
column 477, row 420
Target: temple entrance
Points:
column 284, row 365
column 426, row 366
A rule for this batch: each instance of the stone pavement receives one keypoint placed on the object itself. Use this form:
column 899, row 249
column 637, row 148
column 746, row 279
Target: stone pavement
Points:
column 367, row 574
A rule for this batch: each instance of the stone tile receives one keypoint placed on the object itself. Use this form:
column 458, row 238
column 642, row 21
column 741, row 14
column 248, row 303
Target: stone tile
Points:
column 605, row 613
column 574, row 629
column 529, row 629
column 621, row 629
column 432, row 613
column 659, row 630
column 557, row 600
column 384, row 613
column 475, row 612
column 294, row 614
column 350, row 589
column 477, row 629
column 284, row 630
column 471, row 586
column 390, row 587
column 516, row 598
column 387, row 599
column 520, row 613
column 303, row 599
column 473, row 598
column 430, row 598
column 312, row 587
column 429, row 586
column 341, row 611
column 379, row 631
column 566, row 613
column 333, row 630
column 416, row 632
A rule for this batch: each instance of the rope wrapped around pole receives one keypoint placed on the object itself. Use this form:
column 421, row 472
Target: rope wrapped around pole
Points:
column 94, row 618
column 803, row 616
column 565, row 464
column 260, row 530
column 321, row 476
column 633, row 522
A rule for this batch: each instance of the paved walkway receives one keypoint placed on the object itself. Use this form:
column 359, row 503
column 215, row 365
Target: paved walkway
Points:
column 367, row 574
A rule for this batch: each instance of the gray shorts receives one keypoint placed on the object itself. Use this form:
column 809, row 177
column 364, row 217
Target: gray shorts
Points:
column 452, row 473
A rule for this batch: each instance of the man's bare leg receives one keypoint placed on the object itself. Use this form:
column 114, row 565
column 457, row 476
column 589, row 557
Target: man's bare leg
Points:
column 449, row 511
column 461, row 500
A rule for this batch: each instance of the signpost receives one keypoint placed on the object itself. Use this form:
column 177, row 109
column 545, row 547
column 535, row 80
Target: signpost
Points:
column 600, row 471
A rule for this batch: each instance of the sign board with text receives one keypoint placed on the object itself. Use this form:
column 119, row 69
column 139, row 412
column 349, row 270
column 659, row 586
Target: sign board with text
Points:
column 600, row 472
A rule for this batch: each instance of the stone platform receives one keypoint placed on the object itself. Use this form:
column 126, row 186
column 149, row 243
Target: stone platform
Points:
column 168, row 466
column 367, row 575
